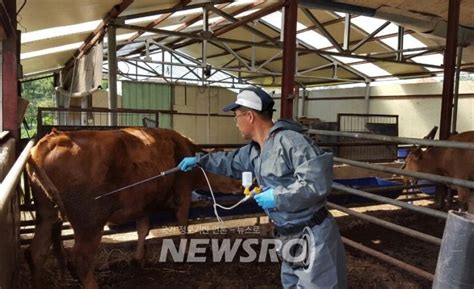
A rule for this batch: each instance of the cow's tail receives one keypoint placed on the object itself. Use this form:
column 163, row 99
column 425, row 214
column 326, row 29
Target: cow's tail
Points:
column 39, row 177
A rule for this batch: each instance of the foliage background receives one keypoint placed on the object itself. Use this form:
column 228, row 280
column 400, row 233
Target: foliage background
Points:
column 40, row 93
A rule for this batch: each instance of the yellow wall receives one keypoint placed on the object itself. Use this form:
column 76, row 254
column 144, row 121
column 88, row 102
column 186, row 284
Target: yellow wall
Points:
column 204, row 100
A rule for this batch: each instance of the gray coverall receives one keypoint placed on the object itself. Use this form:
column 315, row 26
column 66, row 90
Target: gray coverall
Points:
column 301, row 175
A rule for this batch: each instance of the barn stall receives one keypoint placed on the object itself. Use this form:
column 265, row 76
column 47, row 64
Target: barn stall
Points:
column 167, row 76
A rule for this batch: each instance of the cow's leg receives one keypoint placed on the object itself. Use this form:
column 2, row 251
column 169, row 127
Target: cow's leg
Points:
column 466, row 196
column 440, row 196
column 182, row 211
column 470, row 203
column 143, row 229
column 47, row 217
column 58, row 247
column 85, row 248
column 449, row 198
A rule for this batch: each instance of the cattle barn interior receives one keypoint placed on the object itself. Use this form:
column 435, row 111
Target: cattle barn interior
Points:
column 369, row 79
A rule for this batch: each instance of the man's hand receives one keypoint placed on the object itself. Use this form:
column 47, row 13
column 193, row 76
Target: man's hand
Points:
column 266, row 199
column 187, row 164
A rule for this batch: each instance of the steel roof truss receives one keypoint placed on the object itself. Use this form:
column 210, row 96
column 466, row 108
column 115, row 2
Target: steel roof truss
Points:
column 371, row 35
column 236, row 55
column 401, row 33
column 347, row 32
column 322, row 29
column 327, row 57
column 324, row 66
column 245, row 26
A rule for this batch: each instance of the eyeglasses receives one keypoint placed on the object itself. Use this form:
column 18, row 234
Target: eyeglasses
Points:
column 239, row 115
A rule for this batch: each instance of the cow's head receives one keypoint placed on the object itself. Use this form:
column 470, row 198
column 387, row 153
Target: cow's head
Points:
column 418, row 158
column 413, row 162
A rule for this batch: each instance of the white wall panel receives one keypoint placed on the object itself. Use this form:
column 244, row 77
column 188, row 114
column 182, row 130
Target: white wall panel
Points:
column 417, row 105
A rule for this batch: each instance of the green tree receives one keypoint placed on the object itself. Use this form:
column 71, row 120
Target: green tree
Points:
column 40, row 93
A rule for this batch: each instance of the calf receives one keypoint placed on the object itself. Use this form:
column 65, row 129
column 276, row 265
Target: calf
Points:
column 455, row 163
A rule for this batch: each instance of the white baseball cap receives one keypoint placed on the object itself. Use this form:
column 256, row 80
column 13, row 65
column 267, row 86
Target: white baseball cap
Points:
column 254, row 98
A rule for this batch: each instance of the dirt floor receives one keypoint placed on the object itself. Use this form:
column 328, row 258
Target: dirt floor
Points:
column 114, row 268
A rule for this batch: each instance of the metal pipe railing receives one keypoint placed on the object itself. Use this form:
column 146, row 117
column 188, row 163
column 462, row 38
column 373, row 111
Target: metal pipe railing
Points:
column 8, row 186
column 396, row 188
column 25, row 240
column 418, row 175
column 426, row 211
column 388, row 259
column 389, row 225
column 405, row 140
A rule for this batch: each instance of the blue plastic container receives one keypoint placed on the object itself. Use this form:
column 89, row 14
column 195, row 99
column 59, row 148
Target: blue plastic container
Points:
column 402, row 153
column 431, row 190
column 343, row 198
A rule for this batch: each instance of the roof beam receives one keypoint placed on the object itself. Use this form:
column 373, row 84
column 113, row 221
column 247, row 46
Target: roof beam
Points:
column 323, row 53
column 321, row 67
column 335, row 6
column 312, row 27
column 405, row 59
column 323, row 30
column 221, row 31
column 160, row 19
column 99, row 32
column 187, row 67
column 189, row 58
column 347, row 32
column 371, row 35
column 278, row 54
column 237, row 56
column 148, row 68
column 254, row 16
column 180, row 28
column 172, row 9
column 246, row 26
column 365, row 58
column 401, row 34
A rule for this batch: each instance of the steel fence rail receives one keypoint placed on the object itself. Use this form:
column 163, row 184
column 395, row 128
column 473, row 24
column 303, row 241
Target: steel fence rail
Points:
column 386, row 224
column 426, row 211
column 388, row 259
column 8, row 186
column 418, row 175
column 25, row 240
column 404, row 140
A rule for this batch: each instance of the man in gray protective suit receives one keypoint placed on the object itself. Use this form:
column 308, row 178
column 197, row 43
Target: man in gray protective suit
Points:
column 298, row 178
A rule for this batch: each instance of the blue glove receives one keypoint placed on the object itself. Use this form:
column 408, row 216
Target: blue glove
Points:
column 187, row 164
column 266, row 199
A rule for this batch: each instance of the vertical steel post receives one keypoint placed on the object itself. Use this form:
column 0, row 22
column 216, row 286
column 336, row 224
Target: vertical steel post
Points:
column 10, row 86
column 304, row 106
column 205, row 29
column 367, row 97
column 456, row 90
column 289, row 56
column 10, row 54
column 253, row 47
column 449, row 63
column 347, row 32
column 296, row 100
column 112, row 59
column 401, row 33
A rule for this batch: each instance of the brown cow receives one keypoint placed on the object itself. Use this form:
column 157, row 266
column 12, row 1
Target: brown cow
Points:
column 455, row 163
column 69, row 169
